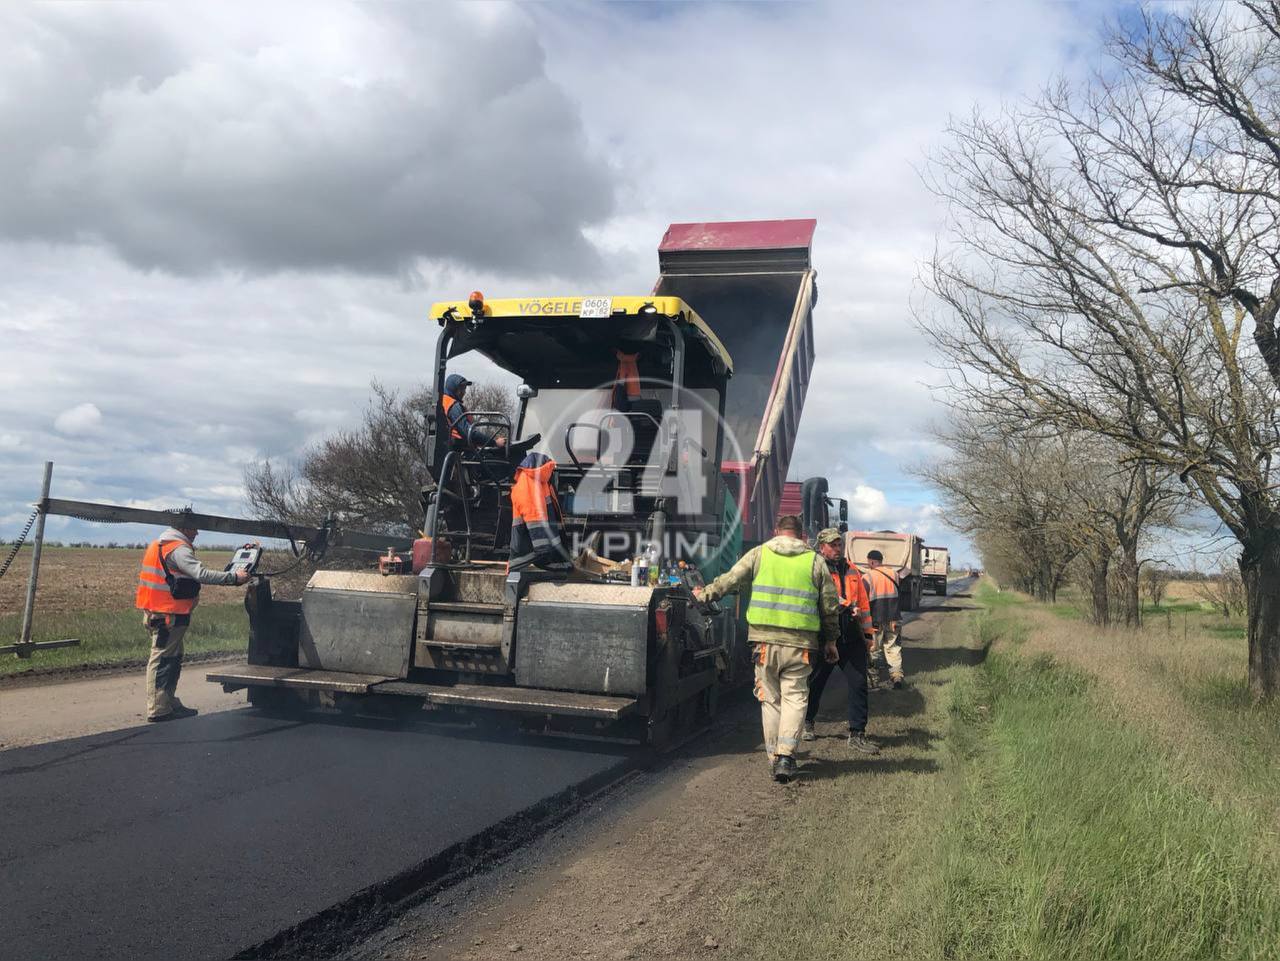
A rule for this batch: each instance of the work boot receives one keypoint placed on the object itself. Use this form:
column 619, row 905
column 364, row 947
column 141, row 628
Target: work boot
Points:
column 179, row 711
column 784, row 769
column 896, row 680
column 808, row 734
column 859, row 742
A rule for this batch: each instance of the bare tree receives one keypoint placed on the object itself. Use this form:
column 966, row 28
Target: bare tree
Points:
column 1224, row 590
column 1116, row 270
column 1122, row 501
column 371, row 476
column 1155, row 583
column 1010, row 493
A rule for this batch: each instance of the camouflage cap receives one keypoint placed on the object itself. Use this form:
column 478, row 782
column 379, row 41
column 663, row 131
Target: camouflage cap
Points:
column 829, row 535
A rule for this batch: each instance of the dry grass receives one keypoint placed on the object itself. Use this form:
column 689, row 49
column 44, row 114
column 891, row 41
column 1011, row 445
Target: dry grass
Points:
column 1183, row 591
column 1183, row 682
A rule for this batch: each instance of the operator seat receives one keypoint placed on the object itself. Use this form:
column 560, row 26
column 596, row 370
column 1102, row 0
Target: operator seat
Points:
column 644, row 414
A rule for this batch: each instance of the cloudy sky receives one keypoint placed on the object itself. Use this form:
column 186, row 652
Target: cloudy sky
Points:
column 219, row 222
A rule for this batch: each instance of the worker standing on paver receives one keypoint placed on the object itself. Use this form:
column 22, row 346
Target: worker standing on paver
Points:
column 168, row 588
column 793, row 612
column 856, row 638
column 882, row 590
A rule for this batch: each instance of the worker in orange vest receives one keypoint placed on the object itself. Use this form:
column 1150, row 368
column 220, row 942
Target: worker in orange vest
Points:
column 853, row 647
column 168, row 588
column 882, row 590
column 537, row 522
column 456, row 416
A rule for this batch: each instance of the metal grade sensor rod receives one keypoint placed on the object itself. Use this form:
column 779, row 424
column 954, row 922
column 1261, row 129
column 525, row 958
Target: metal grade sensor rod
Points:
column 114, row 514
column 327, row 536
column 25, row 645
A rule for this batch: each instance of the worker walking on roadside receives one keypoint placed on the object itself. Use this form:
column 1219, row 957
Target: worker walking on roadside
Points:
column 793, row 612
column 168, row 588
column 854, row 646
column 882, row 591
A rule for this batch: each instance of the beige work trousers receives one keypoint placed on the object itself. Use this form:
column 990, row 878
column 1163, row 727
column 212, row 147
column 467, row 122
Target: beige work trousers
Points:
column 164, row 666
column 782, row 688
column 887, row 647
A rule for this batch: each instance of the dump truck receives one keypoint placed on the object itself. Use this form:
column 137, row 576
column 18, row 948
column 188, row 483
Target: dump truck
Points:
column 657, row 471
column 902, row 557
column 753, row 282
column 816, row 509
column 935, row 565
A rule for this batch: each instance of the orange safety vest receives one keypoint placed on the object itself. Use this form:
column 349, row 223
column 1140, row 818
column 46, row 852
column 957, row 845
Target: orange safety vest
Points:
column 536, row 517
column 447, row 401
column 853, row 595
column 628, row 374
column 880, row 584
column 154, row 591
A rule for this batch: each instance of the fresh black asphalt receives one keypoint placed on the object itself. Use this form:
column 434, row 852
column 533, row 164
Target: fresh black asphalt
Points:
column 202, row 837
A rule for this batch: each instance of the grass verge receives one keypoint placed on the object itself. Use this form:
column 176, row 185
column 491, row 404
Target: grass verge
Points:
column 1048, row 824
column 1070, row 838
column 110, row 637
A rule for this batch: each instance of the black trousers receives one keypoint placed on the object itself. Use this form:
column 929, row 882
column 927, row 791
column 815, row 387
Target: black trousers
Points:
column 853, row 663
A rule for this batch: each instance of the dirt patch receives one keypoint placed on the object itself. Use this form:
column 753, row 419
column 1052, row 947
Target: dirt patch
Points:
column 73, row 579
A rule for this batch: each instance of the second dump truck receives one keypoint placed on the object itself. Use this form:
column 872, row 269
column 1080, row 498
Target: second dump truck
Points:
column 903, row 557
column 690, row 468
column 935, row 566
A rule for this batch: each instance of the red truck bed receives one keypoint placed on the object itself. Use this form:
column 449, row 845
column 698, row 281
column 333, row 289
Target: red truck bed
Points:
column 753, row 282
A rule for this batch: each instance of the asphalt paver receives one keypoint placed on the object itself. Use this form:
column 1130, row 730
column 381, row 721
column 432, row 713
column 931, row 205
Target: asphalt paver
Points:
column 202, row 837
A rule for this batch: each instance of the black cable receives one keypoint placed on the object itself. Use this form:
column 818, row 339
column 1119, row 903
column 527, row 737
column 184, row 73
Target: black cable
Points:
column 284, row 570
column 17, row 545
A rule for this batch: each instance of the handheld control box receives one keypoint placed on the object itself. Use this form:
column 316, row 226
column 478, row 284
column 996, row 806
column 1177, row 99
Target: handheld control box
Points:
column 245, row 558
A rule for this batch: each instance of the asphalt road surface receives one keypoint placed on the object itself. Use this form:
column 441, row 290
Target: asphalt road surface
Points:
column 199, row 838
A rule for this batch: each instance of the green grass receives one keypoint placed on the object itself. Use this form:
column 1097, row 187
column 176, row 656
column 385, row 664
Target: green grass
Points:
column 114, row 636
column 1173, row 607
column 998, row 617
column 1053, row 827
column 1074, row 606
column 1071, row 839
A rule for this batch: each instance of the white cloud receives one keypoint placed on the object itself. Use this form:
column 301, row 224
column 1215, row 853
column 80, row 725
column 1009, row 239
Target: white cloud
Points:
column 868, row 504
column 347, row 136
column 10, row 441
column 308, row 180
column 81, row 419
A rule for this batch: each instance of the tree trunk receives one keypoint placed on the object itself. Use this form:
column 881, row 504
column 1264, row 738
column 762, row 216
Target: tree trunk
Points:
column 1044, row 580
column 1261, row 572
column 1098, row 595
column 1130, row 603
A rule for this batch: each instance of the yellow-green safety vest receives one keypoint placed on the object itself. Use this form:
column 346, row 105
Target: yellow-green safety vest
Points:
column 783, row 593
